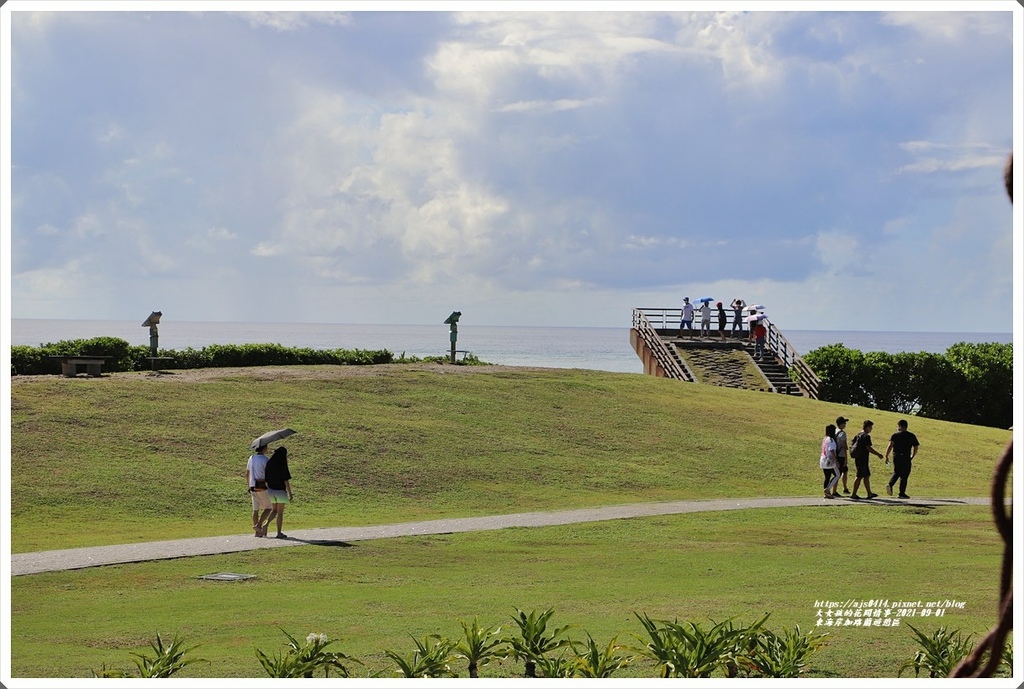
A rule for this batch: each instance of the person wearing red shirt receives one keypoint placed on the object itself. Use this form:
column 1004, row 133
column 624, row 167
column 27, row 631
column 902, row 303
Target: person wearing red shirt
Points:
column 760, row 332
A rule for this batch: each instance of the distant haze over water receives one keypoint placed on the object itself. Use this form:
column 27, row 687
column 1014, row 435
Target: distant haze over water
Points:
column 602, row 349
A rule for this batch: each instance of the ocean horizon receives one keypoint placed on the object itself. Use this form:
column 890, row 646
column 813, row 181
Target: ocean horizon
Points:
column 597, row 348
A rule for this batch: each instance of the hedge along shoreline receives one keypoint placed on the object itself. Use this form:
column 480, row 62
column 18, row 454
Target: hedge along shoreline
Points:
column 33, row 361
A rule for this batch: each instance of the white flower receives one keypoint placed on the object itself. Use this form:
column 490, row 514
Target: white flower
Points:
column 314, row 637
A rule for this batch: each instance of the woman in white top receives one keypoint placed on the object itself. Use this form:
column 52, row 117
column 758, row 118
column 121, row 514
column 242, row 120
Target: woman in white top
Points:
column 828, row 462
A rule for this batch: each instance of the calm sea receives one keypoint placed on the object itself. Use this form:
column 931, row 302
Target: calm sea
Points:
column 602, row 349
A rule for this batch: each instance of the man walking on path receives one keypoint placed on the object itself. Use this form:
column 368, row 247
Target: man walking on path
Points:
column 842, row 452
column 861, row 452
column 256, row 483
column 903, row 447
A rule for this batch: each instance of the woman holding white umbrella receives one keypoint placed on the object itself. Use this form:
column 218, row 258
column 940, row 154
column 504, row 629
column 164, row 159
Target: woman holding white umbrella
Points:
column 256, row 479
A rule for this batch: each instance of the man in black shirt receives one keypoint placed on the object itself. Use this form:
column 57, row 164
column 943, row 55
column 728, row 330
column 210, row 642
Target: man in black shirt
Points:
column 861, row 453
column 903, row 447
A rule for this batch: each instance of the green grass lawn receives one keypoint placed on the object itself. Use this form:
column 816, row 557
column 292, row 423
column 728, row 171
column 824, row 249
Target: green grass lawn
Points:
column 376, row 594
column 137, row 458
column 132, row 458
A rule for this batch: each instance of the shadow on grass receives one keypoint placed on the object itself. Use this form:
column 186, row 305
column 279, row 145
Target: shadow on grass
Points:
column 328, row 544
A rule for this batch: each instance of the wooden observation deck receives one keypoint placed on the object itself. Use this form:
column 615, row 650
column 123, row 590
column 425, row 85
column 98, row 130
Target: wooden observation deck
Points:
column 656, row 339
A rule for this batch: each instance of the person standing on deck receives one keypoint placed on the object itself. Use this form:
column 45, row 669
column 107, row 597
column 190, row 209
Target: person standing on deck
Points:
column 705, row 320
column 760, row 333
column 686, row 323
column 737, row 316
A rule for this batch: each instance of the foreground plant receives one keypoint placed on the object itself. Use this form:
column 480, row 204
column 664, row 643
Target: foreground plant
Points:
column 785, row 654
column 533, row 641
column 431, row 658
column 168, row 661
column 939, row 653
column 557, row 667
column 480, row 646
column 304, row 659
column 744, row 641
column 689, row 650
column 594, row 662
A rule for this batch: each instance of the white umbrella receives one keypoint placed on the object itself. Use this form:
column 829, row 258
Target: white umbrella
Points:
column 757, row 317
column 756, row 307
column 270, row 437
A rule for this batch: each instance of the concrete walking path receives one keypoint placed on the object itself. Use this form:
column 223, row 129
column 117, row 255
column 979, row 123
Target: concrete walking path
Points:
column 78, row 558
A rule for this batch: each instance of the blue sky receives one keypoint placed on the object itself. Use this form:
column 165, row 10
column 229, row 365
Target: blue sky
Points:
column 527, row 168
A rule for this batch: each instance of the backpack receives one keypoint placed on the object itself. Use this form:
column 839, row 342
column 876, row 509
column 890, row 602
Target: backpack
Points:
column 856, row 451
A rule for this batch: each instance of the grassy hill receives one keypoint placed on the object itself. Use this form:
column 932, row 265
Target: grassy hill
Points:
column 133, row 457
column 138, row 457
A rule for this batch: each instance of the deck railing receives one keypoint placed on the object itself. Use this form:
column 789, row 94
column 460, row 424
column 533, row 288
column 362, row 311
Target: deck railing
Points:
column 806, row 378
column 671, row 365
column 666, row 321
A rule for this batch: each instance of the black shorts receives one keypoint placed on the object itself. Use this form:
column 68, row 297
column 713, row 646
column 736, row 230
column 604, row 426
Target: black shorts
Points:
column 841, row 461
column 862, row 468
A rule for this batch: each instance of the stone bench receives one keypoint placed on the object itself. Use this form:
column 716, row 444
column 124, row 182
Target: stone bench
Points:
column 93, row 365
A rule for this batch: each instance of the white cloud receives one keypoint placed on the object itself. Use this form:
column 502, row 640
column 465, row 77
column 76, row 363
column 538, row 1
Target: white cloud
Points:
column 950, row 27
column 962, row 163
column 951, row 158
column 294, row 21
column 549, row 163
column 112, row 132
column 89, row 225
column 635, row 241
column 746, row 60
column 266, row 250
column 59, row 292
column 836, row 252
column 557, row 105
column 47, row 230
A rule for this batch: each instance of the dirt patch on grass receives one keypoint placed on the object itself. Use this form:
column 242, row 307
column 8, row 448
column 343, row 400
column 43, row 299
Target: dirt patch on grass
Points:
column 276, row 373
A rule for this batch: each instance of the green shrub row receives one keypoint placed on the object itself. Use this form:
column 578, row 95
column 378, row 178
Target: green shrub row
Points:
column 971, row 383
column 678, row 649
column 33, row 361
